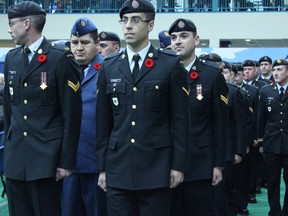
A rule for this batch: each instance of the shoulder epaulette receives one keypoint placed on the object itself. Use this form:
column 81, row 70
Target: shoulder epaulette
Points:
column 60, row 46
column 210, row 64
column 14, row 49
column 268, row 85
column 113, row 55
column 168, row 52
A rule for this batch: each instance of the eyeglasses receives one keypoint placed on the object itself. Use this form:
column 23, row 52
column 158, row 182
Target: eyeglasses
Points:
column 14, row 22
column 133, row 21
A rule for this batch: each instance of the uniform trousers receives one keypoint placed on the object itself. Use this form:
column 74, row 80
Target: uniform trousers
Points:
column 152, row 202
column 34, row 198
column 193, row 198
column 82, row 196
column 274, row 164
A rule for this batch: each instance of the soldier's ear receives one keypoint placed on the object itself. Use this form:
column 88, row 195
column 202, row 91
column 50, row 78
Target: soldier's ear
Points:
column 150, row 25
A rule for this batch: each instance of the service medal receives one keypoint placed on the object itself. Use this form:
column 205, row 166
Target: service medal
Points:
column 43, row 80
column 199, row 94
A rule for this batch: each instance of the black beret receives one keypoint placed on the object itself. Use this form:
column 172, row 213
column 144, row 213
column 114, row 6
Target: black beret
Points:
column 164, row 39
column 23, row 9
column 280, row 62
column 266, row 59
column 256, row 63
column 248, row 63
column 212, row 57
column 239, row 67
column 226, row 65
column 182, row 25
column 83, row 26
column 108, row 36
column 136, row 6
column 234, row 68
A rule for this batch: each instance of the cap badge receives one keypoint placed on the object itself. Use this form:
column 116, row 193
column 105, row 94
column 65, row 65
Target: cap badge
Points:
column 181, row 24
column 135, row 4
column 278, row 61
column 83, row 23
column 103, row 35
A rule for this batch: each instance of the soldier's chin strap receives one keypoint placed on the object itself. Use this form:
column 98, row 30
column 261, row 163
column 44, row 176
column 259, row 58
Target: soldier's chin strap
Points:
column 4, row 186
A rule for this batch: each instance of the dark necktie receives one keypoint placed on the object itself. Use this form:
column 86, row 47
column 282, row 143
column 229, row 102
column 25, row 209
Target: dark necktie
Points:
column 26, row 52
column 281, row 92
column 82, row 74
column 135, row 71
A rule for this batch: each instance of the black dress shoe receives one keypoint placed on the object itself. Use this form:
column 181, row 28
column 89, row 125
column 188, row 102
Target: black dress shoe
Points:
column 243, row 211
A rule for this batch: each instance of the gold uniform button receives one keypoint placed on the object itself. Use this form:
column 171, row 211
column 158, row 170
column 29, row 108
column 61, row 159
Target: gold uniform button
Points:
column 281, row 113
column 133, row 140
column 25, row 117
column 281, row 129
column 25, row 84
column 25, row 101
column 25, row 134
column 133, row 123
column 114, row 89
column 134, row 89
column 156, row 87
column 281, row 121
column 133, row 106
column 281, row 104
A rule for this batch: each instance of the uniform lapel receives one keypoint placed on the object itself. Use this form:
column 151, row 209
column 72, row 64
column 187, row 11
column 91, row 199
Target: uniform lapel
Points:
column 285, row 96
column 92, row 71
column 124, row 68
column 35, row 63
column 148, row 63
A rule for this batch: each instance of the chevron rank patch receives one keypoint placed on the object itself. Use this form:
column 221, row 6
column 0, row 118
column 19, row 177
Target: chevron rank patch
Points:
column 224, row 99
column 185, row 90
column 73, row 86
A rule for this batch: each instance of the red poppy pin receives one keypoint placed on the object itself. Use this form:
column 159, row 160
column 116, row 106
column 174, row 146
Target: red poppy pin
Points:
column 149, row 63
column 194, row 75
column 42, row 58
column 97, row 66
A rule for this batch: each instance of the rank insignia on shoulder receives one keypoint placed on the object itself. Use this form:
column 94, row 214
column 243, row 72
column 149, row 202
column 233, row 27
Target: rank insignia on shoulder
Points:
column 224, row 99
column 73, row 86
column 185, row 90
column 70, row 55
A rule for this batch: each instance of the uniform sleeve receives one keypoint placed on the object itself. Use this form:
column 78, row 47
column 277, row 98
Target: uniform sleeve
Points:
column 220, row 118
column 240, row 123
column 104, row 123
column 69, row 91
column 261, row 117
column 179, row 103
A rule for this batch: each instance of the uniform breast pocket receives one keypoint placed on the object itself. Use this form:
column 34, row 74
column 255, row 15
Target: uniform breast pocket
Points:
column 117, row 95
column 155, row 95
column 44, row 93
column 14, row 88
column 200, row 100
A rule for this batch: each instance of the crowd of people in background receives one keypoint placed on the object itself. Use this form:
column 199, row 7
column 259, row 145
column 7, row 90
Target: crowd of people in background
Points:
column 92, row 129
column 104, row 6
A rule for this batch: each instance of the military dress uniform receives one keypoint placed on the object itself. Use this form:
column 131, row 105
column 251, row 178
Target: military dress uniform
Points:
column 207, row 139
column 142, row 127
column 273, row 131
column 43, row 109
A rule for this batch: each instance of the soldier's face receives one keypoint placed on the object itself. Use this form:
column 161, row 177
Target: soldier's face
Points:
column 107, row 47
column 184, row 43
column 265, row 67
column 280, row 74
column 249, row 73
column 18, row 30
column 136, row 29
column 227, row 74
column 238, row 78
column 84, row 48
